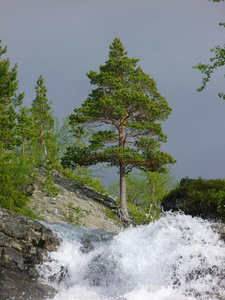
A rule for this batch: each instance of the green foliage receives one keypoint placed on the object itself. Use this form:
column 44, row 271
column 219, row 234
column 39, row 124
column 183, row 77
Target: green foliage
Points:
column 67, row 136
column 128, row 103
column 125, row 109
column 119, row 124
column 15, row 174
column 217, row 61
column 30, row 213
column 29, row 134
column 48, row 187
column 110, row 213
column 205, row 198
column 9, row 101
column 84, row 176
column 43, row 124
column 158, row 185
column 73, row 156
column 74, row 215
column 137, row 189
column 140, row 217
column 24, row 130
column 146, row 190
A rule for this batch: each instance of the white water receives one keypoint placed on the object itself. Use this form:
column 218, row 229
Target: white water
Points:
column 175, row 258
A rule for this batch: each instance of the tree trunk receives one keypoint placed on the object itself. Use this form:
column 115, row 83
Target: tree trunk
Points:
column 41, row 136
column 45, row 150
column 123, row 198
column 152, row 201
column 23, row 146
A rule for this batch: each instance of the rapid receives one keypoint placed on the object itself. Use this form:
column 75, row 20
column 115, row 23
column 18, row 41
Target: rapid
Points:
column 177, row 257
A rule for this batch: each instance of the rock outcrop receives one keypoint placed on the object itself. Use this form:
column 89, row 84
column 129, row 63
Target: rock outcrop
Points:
column 24, row 243
column 78, row 205
column 203, row 198
column 174, row 202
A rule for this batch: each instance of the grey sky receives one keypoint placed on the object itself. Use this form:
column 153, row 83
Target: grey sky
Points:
column 64, row 39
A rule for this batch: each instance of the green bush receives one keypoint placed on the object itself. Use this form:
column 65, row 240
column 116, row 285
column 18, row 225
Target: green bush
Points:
column 205, row 198
column 84, row 176
column 140, row 217
column 110, row 213
column 30, row 213
column 48, row 187
column 14, row 176
column 146, row 190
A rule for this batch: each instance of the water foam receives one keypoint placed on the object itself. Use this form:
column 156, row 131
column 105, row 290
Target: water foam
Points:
column 175, row 258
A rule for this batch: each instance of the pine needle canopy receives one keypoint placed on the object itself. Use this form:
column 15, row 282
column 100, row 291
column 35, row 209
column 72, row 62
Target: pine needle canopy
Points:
column 128, row 108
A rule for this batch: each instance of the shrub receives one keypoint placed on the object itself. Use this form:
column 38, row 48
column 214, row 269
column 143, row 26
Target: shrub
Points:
column 204, row 198
column 140, row 217
column 84, row 176
column 14, row 176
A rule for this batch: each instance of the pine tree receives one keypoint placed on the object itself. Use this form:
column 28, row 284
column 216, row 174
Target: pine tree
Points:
column 25, row 130
column 126, row 109
column 9, row 101
column 43, row 120
column 15, row 174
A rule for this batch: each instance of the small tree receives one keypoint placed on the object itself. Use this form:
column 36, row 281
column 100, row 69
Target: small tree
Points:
column 15, row 174
column 158, row 185
column 147, row 189
column 25, row 130
column 66, row 135
column 126, row 109
column 43, row 120
column 217, row 61
column 9, row 101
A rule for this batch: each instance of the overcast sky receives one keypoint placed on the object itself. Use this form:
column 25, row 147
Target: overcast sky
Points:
column 64, row 39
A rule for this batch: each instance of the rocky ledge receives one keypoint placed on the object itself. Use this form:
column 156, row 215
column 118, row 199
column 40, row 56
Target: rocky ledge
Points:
column 24, row 243
column 78, row 205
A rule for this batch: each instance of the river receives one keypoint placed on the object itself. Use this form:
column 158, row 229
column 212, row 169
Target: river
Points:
column 175, row 258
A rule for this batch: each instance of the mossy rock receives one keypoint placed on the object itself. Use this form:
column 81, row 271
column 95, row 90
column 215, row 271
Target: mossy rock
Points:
column 204, row 198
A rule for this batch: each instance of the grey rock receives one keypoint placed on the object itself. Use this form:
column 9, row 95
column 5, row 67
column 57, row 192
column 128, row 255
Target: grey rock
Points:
column 85, row 191
column 95, row 237
column 173, row 204
column 29, row 189
column 24, row 243
column 76, row 204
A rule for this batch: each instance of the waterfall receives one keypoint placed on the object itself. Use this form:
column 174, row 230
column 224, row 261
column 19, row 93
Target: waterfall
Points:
column 175, row 258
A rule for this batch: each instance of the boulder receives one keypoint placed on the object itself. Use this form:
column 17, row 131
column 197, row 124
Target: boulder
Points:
column 24, row 243
column 173, row 204
column 29, row 189
column 174, row 201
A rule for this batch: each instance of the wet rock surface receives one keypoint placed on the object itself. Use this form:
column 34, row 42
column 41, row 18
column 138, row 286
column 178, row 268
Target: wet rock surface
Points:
column 95, row 237
column 24, row 243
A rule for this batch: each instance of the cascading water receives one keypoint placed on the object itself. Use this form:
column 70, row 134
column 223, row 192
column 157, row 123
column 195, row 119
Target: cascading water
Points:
column 175, row 258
